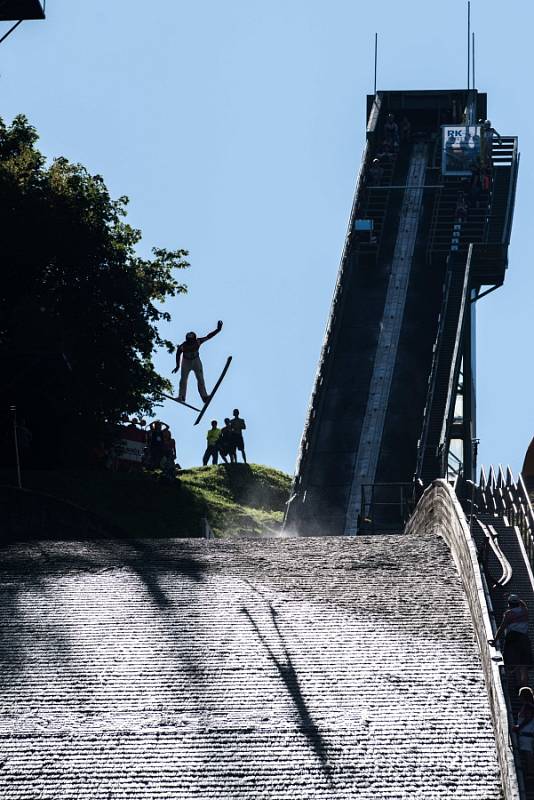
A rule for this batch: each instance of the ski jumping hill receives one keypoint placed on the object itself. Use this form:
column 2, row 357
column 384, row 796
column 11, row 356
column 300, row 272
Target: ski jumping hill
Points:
column 283, row 668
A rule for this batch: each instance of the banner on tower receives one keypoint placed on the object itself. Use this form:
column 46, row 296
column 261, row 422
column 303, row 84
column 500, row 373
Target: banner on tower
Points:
column 461, row 149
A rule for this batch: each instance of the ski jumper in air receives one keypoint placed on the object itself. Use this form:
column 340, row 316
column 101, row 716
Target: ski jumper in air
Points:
column 188, row 354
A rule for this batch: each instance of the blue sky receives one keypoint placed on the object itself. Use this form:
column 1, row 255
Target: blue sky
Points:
column 236, row 129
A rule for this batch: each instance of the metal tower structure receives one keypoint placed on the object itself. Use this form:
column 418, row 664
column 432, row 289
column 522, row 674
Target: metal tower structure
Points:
column 394, row 401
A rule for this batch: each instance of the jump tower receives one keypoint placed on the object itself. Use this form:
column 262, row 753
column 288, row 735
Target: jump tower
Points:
column 394, row 401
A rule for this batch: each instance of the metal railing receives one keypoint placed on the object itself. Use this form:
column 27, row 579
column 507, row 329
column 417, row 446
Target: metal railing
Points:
column 385, row 506
column 501, row 494
column 491, row 540
column 455, row 468
column 499, row 665
column 511, row 195
column 511, row 160
column 439, row 510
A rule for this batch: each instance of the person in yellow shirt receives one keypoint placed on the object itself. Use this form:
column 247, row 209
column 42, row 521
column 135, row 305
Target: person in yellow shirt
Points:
column 212, row 450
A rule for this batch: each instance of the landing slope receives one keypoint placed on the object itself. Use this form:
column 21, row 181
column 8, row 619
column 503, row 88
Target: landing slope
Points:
column 273, row 669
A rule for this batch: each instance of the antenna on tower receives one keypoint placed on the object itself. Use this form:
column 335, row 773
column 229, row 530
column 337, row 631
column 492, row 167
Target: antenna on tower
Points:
column 376, row 55
column 474, row 84
column 468, row 44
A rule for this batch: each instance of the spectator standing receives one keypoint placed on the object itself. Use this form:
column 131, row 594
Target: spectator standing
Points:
column 226, row 442
column 156, row 443
column 525, row 726
column 212, row 450
column 238, row 426
column 516, row 651
column 169, row 443
column 488, row 133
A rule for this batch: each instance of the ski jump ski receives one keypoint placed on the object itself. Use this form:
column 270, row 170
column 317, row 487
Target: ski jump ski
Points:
column 203, row 410
column 181, row 402
column 210, row 398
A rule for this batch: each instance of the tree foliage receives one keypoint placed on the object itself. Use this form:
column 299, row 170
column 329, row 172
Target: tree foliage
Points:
column 79, row 308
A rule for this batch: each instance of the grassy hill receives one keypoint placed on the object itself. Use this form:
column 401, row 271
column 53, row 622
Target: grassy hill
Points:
column 235, row 499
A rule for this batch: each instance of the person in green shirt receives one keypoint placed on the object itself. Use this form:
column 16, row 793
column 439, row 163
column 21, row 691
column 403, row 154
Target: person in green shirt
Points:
column 212, row 451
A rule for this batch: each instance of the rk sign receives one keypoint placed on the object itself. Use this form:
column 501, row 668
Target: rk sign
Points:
column 461, row 149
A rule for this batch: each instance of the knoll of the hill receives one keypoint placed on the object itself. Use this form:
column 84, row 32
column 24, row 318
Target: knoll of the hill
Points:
column 234, row 498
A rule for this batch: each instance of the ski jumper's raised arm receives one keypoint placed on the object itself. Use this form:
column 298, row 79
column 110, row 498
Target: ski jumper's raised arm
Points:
column 217, row 330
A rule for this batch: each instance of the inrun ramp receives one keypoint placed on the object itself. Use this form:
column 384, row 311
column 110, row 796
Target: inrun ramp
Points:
column 366, row 462
column 291, row 668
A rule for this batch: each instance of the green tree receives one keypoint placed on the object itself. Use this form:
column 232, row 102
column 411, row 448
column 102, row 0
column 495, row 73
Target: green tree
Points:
column 79, row 308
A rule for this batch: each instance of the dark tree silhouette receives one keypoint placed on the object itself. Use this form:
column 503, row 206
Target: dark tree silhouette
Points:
column 79, row 307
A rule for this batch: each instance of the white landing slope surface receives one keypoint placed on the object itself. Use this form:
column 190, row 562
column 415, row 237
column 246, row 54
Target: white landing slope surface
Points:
column 288, row 668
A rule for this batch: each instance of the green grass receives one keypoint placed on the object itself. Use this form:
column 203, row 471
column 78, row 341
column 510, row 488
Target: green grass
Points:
column 236, row 499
